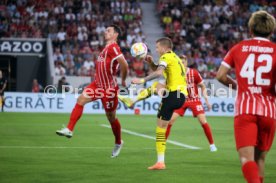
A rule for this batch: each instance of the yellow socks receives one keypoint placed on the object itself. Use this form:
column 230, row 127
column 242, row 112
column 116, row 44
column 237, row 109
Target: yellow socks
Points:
column 160, row 143
column 146, row 93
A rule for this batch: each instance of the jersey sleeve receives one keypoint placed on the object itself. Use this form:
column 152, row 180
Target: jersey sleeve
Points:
column 228, row 60
column 198, row 78
column 164, row 61
column 115, row 52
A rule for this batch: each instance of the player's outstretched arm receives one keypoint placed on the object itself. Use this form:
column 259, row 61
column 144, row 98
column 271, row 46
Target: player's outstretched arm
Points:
column 224, row 78
column 124, row 69
column 154, row 75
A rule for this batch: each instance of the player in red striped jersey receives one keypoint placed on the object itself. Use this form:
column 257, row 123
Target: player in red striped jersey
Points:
column 254, row 61
column 193, row 102
column 104, row 87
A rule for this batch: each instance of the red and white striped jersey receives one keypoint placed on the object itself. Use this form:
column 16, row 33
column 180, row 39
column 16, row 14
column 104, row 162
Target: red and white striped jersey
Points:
column 254, row 61
column 107, row 66
column 193, row 79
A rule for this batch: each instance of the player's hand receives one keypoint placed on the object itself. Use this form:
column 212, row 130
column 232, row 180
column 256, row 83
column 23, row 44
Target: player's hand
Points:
column 124, row 83
column 137, row 81
column 208, row 106
column 149, row 59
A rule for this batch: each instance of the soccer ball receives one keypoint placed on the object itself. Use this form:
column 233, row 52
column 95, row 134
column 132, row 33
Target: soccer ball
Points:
column 139, row 50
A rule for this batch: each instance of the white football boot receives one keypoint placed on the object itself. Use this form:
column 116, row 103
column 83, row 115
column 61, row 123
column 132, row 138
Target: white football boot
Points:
column 213, row 148
column 65, row 132
column 117, row 149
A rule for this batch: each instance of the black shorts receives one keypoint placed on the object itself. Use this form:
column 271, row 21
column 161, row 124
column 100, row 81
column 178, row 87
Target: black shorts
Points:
column 2, row 94
column 174, row 100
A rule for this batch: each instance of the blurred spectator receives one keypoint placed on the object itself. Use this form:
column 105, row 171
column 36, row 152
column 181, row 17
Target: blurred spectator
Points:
column 70, row 66
column 59, row 69
column 36, row 88
column 211, row 69
column 57, row 56
column 167, row 19
column 88, row 63
column 202, row 68
column 63, row 85
column 61, row 34
column 68, row 55
column 91, row 72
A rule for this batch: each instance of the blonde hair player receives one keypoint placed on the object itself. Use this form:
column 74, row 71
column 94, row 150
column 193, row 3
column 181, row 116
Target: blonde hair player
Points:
column 176, row 89
column 194, row 80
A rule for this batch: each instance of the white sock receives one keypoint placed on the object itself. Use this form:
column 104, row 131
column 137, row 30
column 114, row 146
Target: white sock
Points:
column 161, row 158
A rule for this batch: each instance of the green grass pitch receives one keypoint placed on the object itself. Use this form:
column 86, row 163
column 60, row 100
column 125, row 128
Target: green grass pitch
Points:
column 30, row 151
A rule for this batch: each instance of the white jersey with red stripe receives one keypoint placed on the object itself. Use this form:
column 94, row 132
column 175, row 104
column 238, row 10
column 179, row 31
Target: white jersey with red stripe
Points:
column 107, row 66
column 254, row 61
column 193, row 79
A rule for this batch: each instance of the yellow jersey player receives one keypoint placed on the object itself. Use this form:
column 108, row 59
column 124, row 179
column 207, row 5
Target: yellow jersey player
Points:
column 193, row 102
column 173, row 97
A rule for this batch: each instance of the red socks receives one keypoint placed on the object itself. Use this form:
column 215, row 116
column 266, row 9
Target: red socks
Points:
column 168, row 131
column 75, row 116
column 116, row 128
column 261, row 179
column 206, row 128
column 208, row 133
column 250, row 172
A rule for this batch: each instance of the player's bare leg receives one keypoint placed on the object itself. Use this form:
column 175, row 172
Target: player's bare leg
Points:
column 260, row 160
column 249, row 166
column 75, row 116
column 172, row 121
column 207, row 130
column 160, row 145
column 116, row 129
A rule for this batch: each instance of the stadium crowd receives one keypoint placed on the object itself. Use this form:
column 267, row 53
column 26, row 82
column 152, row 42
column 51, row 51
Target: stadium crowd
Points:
column 205, row 29
column 201, row 29
column 76, row 28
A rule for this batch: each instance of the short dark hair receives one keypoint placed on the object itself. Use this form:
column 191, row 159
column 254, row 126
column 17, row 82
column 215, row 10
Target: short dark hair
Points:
column 165, row 41
column 116, row 29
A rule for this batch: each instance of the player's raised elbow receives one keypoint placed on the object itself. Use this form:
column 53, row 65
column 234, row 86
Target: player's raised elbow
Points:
column 219, row 76
column 222, row 74
column 123, row 64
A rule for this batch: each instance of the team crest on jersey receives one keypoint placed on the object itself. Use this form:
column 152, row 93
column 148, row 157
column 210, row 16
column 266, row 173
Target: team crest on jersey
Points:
column 101, row 56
